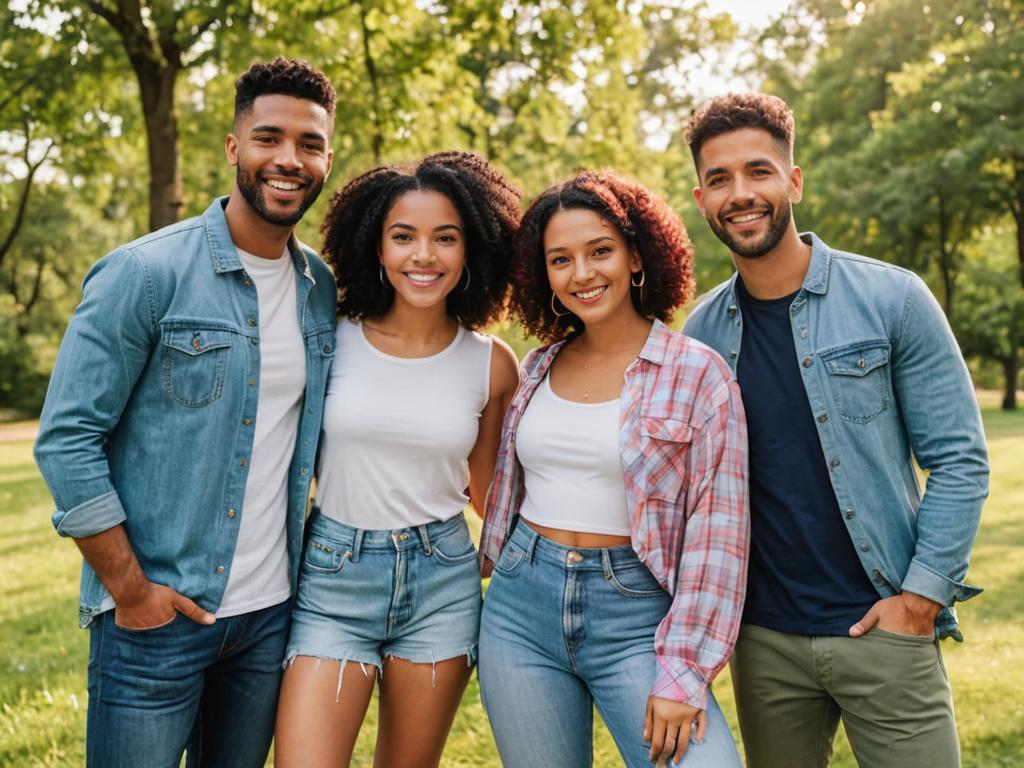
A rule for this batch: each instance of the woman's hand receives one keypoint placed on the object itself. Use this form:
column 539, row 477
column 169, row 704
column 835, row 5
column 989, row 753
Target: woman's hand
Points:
column 667, row 727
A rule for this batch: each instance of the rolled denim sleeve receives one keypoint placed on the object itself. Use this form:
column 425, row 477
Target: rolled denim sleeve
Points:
column 697, row 636
column 107, row 344
column 940, row 412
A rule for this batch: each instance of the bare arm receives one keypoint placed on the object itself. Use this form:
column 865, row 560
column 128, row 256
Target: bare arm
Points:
column 139, row 603
column 504, row 382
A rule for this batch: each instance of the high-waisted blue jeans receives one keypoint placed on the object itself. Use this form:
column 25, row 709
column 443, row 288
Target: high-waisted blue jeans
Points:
column 564, row 630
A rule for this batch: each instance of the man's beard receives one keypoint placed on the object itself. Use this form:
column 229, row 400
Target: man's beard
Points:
column 779, row 220
column 252, row 191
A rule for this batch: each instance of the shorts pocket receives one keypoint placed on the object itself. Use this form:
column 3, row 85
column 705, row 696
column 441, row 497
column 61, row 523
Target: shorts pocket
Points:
column 323, row 555
column 635, row 581
column 452, row 550
column 859, row 376
column 193, row 360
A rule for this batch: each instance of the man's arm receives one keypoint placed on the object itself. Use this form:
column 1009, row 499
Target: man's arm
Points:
column 936, row 398
column 108, row 343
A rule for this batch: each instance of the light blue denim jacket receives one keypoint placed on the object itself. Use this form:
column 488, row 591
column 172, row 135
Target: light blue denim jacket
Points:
column 150, row 412
column 887, row 384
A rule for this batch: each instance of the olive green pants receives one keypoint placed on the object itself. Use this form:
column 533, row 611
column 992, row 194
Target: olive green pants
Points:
column 891, row 692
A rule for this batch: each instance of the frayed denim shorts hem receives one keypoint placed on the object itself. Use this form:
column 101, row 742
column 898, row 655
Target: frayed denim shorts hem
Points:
column 367, row 595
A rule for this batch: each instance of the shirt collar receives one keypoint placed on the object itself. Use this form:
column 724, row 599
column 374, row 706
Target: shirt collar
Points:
column 224, row 252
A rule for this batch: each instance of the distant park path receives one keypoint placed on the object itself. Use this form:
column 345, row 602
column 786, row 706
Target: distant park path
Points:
column 18, row 431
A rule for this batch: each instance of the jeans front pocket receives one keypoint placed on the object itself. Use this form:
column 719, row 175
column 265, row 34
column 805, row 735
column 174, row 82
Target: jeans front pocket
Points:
column 634, row 581
column 510, row 560
column 859, row 375
column 455, row 549
column 194, row 359
column 324, row 555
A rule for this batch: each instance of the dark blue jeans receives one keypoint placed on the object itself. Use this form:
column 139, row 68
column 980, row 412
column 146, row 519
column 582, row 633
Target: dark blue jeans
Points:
column 210, row 690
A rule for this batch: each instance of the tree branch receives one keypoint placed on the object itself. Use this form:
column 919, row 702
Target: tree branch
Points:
column 19, row 216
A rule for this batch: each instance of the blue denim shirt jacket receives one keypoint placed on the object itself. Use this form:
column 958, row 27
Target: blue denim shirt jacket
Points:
column 887, row 384
column 150, row 413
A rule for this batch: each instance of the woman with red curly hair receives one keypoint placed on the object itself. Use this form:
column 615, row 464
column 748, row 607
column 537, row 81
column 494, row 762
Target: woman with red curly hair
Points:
column 617, row 522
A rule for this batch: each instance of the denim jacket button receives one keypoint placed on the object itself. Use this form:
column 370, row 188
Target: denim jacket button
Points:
column 219, row 569
column 822, row 417
column 807, row 361
column 252, row 322
column 864, row 547
column 850, row 514
column 232, row 513
column 834, row 463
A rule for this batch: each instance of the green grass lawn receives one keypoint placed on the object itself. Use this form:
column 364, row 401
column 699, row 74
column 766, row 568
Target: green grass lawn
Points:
column 43, row 653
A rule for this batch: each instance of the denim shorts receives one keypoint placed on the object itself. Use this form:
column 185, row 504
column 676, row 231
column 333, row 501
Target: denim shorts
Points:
column 364, row 595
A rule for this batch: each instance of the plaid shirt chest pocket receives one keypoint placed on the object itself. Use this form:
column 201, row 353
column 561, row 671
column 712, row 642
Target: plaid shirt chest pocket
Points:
column 664, row 451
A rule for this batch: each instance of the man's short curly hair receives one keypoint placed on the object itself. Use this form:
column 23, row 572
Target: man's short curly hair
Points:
column 644, row 220
column 734, row 111
column 487, row 202
column 288, row 77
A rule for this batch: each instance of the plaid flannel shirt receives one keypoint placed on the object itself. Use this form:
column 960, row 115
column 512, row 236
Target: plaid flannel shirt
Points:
column 684, row 456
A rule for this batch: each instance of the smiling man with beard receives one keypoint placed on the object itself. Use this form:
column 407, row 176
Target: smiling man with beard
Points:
column 178, row 440
column 849, row 373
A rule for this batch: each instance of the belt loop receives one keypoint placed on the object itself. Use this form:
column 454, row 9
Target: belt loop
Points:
column 606, row 564
column 532, row 545
column 425, row 538
column 357, row 545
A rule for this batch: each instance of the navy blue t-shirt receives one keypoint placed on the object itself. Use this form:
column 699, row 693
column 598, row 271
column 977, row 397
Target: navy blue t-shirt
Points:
column 804, row 577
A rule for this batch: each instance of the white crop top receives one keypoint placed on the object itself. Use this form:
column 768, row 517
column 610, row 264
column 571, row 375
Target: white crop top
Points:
column 572, row 466
column 397, row 432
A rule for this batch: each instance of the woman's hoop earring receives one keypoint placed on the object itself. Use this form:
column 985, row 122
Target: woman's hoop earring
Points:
column 640, row 285
column 468, row 278
column 557, row 313
column 380, row 273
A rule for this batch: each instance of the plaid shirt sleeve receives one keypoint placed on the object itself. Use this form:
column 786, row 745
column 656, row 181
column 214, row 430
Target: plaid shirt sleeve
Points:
column 697, row 636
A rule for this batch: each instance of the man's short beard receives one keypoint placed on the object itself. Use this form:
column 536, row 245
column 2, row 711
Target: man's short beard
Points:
column 253, row 195
column 779, row 223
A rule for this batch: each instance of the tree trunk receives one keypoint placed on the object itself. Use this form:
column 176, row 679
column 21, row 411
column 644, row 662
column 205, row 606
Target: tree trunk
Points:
column 156, row 85
column 377, row 136
column 1011, row 372
column 945, row 260
column 1018, row 216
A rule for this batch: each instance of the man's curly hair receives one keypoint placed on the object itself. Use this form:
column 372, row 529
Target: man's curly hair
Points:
column 487, row 202
column 644, row 220
column 288, row 77
column 734, row 111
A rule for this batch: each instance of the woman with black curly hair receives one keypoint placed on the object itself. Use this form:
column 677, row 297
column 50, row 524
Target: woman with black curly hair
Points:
column 415, row 401
column 617, row 521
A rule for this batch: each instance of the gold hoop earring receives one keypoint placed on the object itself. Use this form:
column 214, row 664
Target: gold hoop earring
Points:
column 557, row 313
column 640, row 285
column 380, row 273
column 468, row 278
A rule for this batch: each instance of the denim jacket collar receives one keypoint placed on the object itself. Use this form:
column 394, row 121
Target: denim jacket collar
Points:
column 816, row 279
column 224, row 252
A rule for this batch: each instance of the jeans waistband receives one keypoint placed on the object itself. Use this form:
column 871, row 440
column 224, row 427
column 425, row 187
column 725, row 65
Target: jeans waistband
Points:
column 604, row 559
column 359, row 540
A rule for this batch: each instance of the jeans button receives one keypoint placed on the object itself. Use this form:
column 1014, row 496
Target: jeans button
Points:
column 574, row 557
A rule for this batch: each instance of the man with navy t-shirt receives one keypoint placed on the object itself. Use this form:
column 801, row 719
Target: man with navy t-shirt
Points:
column 849, row 373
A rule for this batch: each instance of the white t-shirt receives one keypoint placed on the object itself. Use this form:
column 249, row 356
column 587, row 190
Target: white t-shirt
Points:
column 398, row 431
column 259, row 575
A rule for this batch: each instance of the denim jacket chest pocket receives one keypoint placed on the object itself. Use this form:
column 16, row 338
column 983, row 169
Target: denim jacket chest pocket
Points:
column 665, row 447
column 859, row 377
column 193, row 360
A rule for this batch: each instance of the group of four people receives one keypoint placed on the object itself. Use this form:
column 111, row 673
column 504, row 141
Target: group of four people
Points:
column 216, row 366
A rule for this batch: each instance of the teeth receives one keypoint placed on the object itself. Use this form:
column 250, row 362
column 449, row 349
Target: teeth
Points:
column 421, row 277
column 289, row 186
column 591, row 293
column 746, row 217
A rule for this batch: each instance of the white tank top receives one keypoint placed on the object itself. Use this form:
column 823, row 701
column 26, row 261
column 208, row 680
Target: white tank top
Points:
column 397, row 432
column 572, row 466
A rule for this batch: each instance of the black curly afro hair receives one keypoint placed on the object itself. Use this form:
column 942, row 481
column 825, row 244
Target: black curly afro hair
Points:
column 487, row 202
column 644, row 220
column 288, row 77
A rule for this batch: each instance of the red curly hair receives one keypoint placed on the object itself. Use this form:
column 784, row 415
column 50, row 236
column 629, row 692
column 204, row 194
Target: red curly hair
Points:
column 644, row 220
